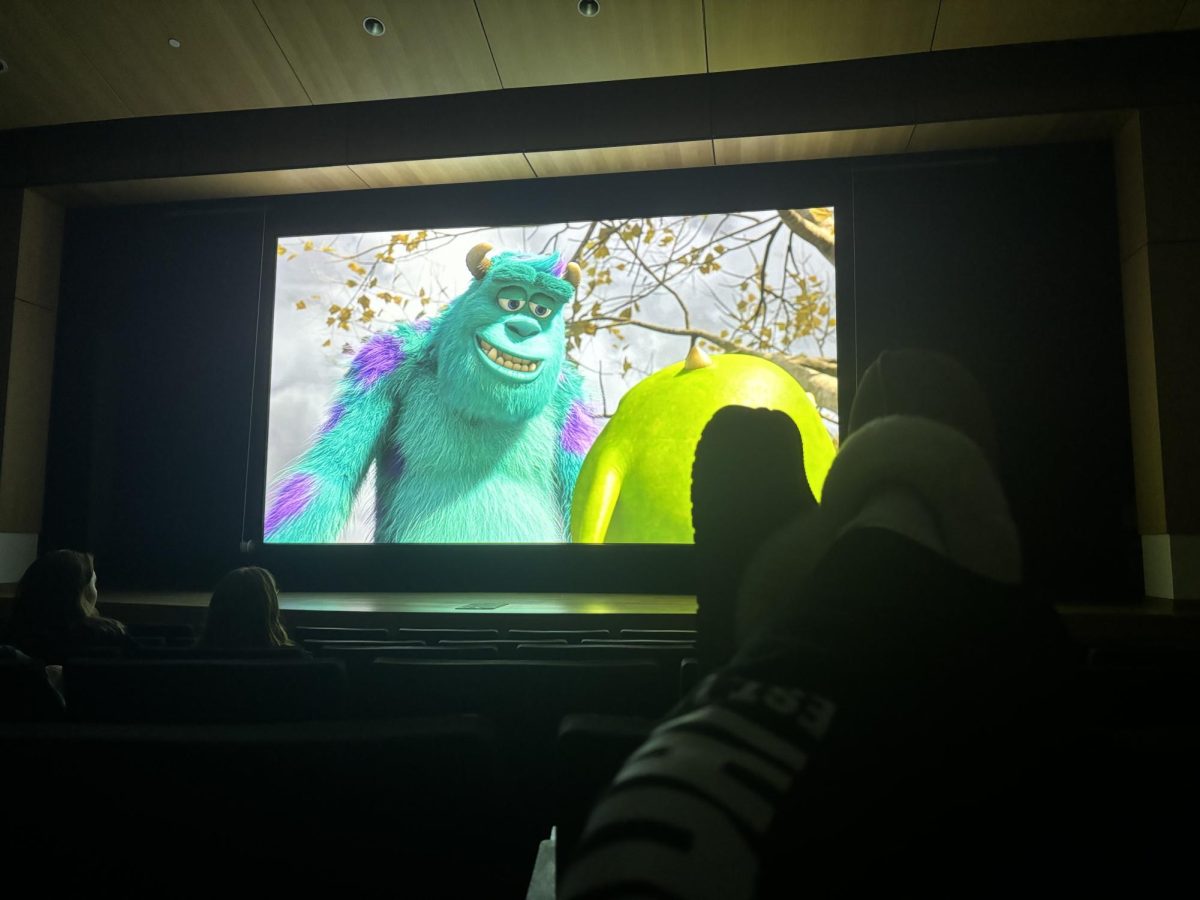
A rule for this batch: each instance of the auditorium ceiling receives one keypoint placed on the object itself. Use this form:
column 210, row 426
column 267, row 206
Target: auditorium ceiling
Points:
column 90, row 60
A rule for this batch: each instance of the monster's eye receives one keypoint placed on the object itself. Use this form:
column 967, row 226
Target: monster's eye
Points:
column 542, row 312
column 512, row 304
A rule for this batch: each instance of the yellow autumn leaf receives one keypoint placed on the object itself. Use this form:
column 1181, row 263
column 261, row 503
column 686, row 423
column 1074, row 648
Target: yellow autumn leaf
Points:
column 300, row 304
column 356, row 268
column 280, row 250
column 327, row 343
column 308, row 245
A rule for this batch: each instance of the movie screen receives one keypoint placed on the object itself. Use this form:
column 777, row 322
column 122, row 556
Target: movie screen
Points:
column 537, row 384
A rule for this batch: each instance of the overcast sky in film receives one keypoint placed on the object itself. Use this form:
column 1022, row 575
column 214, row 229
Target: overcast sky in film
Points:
column 304, row 374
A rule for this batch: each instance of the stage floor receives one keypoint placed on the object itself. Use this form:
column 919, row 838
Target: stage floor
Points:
column 392, row 610
column 465, row 603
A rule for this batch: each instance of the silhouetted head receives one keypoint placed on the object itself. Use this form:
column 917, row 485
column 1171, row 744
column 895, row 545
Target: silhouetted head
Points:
column 55, row 593
column 244, row 612
column 500, row 345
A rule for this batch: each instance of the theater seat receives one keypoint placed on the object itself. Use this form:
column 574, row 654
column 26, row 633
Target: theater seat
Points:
column 589, row 751
column 203, row 691
column 669, row 658
column 184, row 653
column 662, row 634
column 26, row 694
column 342, row 807
column 356, row 656
column 508, row 649
column 515, row 689
column 433, row 635
column 309, row 633
column 571, row 636
column 319, row 647
column 172, row 634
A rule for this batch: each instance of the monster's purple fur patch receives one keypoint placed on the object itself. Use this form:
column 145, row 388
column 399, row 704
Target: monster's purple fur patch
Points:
column 579, row 431
column 379, row 356
column 560, row 266
column 294, row 495
column 335, row 416
column 393, row 461
column 422, row 325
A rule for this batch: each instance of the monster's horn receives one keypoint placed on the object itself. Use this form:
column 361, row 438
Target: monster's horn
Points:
column 476, row 262
column 572, row 274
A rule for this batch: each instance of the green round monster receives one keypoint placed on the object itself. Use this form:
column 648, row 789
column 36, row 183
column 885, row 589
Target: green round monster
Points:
column 635, row 484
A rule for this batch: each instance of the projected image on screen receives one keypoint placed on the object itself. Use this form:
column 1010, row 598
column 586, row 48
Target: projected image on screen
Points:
column 537, row 384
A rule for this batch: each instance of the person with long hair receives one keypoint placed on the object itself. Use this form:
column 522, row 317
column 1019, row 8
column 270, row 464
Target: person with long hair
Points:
column 244, row 613
column 55, row 614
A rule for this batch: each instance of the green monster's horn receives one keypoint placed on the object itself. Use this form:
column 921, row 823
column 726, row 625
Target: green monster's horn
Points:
column 477, row 264
column 696, row 359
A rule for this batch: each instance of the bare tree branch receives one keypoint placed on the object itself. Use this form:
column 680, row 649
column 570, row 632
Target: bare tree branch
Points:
column 816, row 375
column 802, row 224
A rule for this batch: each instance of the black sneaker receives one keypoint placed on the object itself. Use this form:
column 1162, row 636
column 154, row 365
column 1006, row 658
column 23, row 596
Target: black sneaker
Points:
column 748, row 481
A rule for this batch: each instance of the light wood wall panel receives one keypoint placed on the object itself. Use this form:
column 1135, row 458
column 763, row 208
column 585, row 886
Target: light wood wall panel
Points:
column 39, row 251
column 1132, row 230
column 540, row 42
column 209, row 187
column 753, row 34
column 26, row 418
column 228, row 58
column 1144, row 420
column 812, row 145
column 979, row 23
column 644, row 157
column 427, row 48
column 460, row 170
column 48, row 81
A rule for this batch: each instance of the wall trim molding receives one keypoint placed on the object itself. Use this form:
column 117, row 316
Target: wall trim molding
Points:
column 17, row 551
column 1171, row 563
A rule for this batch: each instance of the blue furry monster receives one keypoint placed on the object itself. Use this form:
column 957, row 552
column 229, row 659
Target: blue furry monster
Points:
column 476, row 421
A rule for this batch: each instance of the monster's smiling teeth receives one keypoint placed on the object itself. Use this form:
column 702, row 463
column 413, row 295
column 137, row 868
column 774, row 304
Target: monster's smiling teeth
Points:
column 509, row 362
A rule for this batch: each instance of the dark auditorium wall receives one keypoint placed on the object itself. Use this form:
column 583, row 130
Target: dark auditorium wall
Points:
column 151, row 399
column 1007, row 259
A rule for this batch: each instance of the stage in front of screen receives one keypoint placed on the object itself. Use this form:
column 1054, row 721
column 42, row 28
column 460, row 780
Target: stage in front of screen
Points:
column 466, row 609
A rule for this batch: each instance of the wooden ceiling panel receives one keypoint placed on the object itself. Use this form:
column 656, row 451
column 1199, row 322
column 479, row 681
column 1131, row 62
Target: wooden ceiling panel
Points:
column 979, row 23
column 755, row 34
column 209, row 187
column 427, row 48
column 540, row 42
column 227, row 58
column 639, row 158
column 47, row 82
column 1014, row 131
column 460, row 170
column 812, row 145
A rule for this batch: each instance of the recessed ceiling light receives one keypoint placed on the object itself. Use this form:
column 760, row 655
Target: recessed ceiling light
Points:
column 174, row 42
column 373, row 26
column 589, row 8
